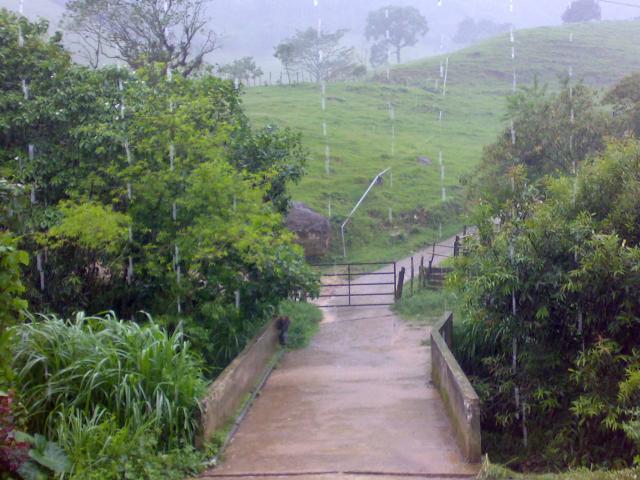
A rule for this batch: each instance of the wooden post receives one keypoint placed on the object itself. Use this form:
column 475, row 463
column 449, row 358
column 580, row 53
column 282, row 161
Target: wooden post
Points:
column 456, row 246
column 412, row 276
column 422, row 279
column 400, row 286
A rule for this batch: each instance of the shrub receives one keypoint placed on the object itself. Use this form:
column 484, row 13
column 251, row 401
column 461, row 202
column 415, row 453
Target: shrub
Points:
column 136, row 375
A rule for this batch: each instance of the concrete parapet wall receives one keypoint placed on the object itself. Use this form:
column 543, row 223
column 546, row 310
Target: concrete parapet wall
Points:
column 460, row 399
column 227, row 392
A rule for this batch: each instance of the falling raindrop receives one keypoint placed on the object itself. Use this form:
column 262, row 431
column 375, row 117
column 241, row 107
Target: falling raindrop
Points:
column 514, row 307
column 127, row 151
column 130, row 271
column 514, row 355
column 25, row 89
column 174, row 211
column 33, row 194
column 235, row 202
column 390, row 215
column 130, row 235
column 329, row 208
column 327, row 159
column 172, row 155
column 20, row 37
column 446, row 74
column 129, row 191
column 237, row 294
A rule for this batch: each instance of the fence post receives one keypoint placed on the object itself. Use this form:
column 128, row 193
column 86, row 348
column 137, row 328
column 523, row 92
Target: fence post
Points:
column 456, row 246
column 464, row 231
column 400, row 284
column 412, row 274
column 422, row 279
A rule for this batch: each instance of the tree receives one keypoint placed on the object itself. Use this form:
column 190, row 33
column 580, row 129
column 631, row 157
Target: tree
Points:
column 398, row 27
column 625, row 99
column 242, row 69
column 285, row 52
column 318, row 53
column 143, row 32
column 202, row 192
column 582, row 11
column 470, row 31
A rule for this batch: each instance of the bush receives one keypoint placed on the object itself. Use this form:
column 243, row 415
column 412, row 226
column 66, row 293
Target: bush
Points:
column 136, row 375
column 305, row 322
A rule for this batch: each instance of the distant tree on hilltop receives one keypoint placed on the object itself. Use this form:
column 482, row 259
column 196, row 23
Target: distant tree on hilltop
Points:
column 318, row 53
column 582, row 11
column 395, row 27
column 470, row 31
column 242, row 69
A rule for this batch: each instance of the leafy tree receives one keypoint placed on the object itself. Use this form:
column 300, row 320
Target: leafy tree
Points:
column 242, row 69
column 625, row 99
column 318, row 53
column 143, row 32
column 552, row 133
column 105, row 150
column 582, row 11
column 285, row 52
column 398, row 27
column 470, row 30
column 551, row 328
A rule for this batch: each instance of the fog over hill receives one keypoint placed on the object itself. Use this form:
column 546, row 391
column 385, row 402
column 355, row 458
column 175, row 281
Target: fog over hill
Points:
column 254, row 27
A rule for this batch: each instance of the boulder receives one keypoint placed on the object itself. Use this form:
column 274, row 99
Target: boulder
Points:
column 424, row 161
column 312, row 229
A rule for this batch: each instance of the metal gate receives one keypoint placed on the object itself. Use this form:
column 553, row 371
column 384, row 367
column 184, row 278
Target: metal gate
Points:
column 358, row 284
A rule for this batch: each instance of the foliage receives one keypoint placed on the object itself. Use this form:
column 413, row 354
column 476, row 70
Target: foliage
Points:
column 398, row 27
column 552, row 133
column 142, row 33
column 122, row 170
column 471, row 31
column 318, row 53
column 138, row 375
column 99, row 448
column 551, row 338
column 242, row 69
column 490, row 471
column 30, row 457
column 582, row 11
column 305, row 322
column 11, row 302
column 424, row 306
column 624, row 97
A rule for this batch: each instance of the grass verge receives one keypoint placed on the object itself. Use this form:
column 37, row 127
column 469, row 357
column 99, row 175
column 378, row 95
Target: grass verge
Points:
column 498, row 472
column 305, row 322
column 424, row 307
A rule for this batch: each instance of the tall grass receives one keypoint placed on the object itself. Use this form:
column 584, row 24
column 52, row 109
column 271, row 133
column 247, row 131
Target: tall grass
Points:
column 139, row 376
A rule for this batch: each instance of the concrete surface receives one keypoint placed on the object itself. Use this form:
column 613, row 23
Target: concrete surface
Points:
column 356, row 403
column 238, row 380
column 460, row 399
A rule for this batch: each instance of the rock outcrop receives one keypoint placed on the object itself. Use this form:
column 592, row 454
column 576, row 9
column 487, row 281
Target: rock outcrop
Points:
column 312, row 229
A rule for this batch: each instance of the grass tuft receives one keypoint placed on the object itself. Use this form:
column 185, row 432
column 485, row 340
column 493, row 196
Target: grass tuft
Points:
column 305, row 322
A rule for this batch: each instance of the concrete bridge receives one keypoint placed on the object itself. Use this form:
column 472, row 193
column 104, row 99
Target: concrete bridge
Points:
column 357, row 403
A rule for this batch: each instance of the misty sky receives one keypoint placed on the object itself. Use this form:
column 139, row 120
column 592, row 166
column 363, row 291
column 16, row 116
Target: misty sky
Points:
column 254, row 27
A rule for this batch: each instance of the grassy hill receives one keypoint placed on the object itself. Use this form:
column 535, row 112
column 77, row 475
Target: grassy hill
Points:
column 359, row 127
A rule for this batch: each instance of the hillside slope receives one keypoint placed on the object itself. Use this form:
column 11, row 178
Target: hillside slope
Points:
column 360, row 126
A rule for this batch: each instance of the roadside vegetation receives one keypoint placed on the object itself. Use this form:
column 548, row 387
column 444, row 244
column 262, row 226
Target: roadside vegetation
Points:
column 425, row 306
column 549, row 284
column 145, row 193
column 305, row 322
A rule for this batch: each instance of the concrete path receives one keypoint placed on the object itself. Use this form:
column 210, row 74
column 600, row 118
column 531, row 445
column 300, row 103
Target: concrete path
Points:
column 357, row 404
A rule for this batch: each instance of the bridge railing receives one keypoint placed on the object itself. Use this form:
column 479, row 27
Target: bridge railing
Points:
column 461, row 400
